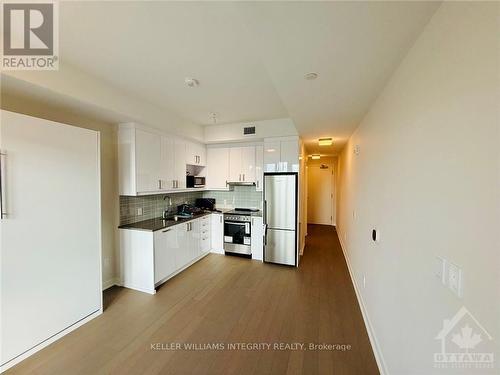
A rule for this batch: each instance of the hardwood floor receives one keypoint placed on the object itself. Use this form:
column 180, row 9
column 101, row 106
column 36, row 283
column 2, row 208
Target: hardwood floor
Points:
column 224, row 299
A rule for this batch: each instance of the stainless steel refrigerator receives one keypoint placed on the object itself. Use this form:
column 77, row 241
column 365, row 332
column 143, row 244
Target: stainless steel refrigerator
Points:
column 280, row 218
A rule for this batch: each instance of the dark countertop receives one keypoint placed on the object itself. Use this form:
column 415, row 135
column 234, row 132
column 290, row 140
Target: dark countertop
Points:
column 152, row 225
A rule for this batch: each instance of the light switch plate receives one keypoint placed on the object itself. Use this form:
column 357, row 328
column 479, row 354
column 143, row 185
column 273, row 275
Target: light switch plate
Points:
column 455, row 279
column 440, row 269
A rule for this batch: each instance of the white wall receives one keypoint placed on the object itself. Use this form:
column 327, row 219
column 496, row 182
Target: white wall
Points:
column 428, row 178
column 234, row 132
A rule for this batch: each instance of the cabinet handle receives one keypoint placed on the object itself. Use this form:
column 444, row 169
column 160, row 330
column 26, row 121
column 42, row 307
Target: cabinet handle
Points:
column 159, row 184
column 257, row 183
column 220, row 218
column 243, row 177
column 166, row 230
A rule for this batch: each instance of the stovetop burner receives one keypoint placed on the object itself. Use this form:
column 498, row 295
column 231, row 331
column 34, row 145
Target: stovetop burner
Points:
column 243, row 211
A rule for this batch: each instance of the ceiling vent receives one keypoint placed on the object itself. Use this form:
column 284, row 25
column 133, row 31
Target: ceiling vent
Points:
column 249, row 130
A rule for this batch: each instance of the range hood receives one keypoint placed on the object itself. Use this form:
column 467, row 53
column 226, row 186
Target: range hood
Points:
column 239, row 183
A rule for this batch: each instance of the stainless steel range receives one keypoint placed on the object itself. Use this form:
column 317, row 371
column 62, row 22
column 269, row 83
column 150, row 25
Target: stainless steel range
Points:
column 238, row 231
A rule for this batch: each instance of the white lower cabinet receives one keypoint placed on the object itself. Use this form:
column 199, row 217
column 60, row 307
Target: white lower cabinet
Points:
column 166, row 248
column 257, row 238
column 150, row 258
column 217, row 236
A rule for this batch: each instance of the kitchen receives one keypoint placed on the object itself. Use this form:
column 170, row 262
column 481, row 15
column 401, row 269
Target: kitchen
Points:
column 181, row 200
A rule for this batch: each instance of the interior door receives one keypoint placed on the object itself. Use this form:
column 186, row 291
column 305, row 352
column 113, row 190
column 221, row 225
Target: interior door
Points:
column 147, row 161
column 319, row 195
column 50, row 239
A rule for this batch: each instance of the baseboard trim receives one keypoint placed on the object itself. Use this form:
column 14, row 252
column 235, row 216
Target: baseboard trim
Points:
column 50, row 340
column 369, row 327
column 109, row 283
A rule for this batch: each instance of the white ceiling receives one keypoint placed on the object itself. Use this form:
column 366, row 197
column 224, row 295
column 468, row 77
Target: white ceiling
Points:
column 250, row 58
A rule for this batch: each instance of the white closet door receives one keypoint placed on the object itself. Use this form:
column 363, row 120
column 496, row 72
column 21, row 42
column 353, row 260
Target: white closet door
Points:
column 51, row 237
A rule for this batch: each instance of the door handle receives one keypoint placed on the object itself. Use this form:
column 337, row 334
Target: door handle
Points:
column 3, row 214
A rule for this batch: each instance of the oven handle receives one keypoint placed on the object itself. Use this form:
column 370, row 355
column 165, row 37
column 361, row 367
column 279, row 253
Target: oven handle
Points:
column 235, row 223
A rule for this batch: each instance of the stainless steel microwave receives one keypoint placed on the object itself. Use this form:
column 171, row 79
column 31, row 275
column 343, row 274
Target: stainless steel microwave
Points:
column 195, row 181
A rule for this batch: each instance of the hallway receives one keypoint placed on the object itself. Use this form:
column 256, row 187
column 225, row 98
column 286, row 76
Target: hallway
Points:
column 222, row 300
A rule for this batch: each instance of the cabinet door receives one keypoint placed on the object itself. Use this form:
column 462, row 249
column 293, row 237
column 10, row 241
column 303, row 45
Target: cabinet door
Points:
column 147, row 161
column 180, row 164
column 167, row 163
column 202, row 155
column 217, row 233
column 248, row 164
column 235, row 173
column 183, row 249
column 217, row 168
column 191, row 153
column 272, row 150
column 194, row 239
column 289, row 156
column 257, row 238
column 259, row 173
column 165, row 253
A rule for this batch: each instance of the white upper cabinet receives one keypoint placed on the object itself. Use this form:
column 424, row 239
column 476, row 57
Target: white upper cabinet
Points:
column 180, row 164
column 217, row 168
column 259, row 172
column 196, row 154
column 148, row 161
column 168, row 162
column 248, row 163
column 281, row 154
column 242, row 164
column 151, row 162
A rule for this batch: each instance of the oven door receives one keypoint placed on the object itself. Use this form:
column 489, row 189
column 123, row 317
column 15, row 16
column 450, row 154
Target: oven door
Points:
column 237, row 237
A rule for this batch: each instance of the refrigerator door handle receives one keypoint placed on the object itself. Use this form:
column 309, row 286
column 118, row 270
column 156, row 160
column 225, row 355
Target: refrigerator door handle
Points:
column 265, row 212
column 265, row 234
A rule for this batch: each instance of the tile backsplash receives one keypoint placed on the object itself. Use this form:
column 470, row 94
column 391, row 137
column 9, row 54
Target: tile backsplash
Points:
column 153, row 205
column 241, row 196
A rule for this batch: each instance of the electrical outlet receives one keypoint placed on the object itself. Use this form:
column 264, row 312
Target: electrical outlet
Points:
column 440, row 269
column 354, row 215
column 139, row 211
column 455, row 279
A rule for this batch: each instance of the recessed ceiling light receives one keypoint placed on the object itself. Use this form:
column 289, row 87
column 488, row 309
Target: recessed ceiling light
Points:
column 315, row 156
column 325, row 141
column 191, row 82
column 310, row 76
